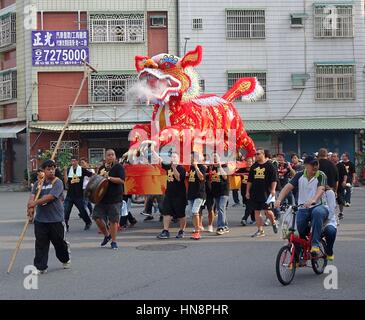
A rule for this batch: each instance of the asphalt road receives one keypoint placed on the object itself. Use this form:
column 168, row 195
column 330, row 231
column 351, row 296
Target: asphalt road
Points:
column 232, row 266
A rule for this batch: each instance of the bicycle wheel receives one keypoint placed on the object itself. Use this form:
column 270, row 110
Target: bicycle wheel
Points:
column 320, row 262
column 285, row 271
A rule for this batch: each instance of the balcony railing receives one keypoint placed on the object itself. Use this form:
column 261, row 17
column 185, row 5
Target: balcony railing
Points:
column 111, row 113
column 8, row 85
column 7, row 29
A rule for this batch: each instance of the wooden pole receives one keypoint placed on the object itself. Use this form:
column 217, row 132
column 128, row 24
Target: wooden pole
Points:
column 87, row 69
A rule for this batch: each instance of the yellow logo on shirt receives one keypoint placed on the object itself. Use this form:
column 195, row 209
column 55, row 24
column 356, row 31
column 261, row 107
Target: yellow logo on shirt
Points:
column 216, row 177
column 75, row 179
column 260, row 173
column 192, row 176
column 170, row 176
column 244, row 179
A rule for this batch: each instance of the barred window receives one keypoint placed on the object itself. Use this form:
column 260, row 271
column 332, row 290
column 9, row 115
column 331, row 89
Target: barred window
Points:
column 197, row 24
column 8, row 85
column 335, row 82
column 7, row 29
column 333, row 21
column 261, row 77
column 125, row 28
column 111, row 87
column 71, row 146
column 245, row 24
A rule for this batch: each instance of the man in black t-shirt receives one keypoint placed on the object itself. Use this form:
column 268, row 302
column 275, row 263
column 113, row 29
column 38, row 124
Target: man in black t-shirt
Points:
column 74, row 179
column 196, row 192
column 261, row 184
column 351, row 177
column 328, row 168
column 110, row 206
column 342, row 181
column 174, row 202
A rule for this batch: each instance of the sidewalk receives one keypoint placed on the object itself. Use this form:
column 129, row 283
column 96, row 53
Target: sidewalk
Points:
column 13, row 187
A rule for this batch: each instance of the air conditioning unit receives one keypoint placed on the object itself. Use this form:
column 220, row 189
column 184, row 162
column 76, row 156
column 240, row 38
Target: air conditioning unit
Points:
column 34, row 116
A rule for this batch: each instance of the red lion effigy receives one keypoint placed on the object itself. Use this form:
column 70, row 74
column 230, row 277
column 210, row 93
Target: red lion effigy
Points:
column 175, row 91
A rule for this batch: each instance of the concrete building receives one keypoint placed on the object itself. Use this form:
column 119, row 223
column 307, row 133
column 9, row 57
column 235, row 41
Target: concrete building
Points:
column 12, row 116
column 308, row 55
column 114, row 32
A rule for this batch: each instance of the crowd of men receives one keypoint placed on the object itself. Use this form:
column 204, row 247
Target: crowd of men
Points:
column 266, row 182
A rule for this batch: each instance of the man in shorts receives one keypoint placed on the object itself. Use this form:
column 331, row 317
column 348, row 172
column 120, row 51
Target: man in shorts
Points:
column 261, row 184
column 109, row 207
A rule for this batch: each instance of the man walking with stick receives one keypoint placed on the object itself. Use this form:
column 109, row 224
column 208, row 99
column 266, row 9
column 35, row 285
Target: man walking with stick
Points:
column 49, row 226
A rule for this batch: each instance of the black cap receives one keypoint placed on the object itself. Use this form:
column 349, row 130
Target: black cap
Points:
column 48, row 163
column 311, row 160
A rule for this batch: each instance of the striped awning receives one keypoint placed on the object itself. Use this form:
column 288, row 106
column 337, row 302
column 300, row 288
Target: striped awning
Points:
column 306, row 124
column 83, row 126
column 250, row 125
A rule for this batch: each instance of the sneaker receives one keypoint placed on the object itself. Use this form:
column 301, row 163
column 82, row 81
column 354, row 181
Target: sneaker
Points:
column 145, row 213
column 275, row 227
column 347, row 204
column 244, row 222
column 164, row 234
column 114, row 245
column 340, row 216
column 195, row 235
column 210, row 229
column 133, row 223
column 180, row 234
column 87, row 226
column 252, row 222
column 201, row 229
column 258, row 234
column 40, row 272
column 220, row 231
column 226, row 229
column 148, row 218
column 267, row 222
column 66, row 265
column 106, row 240
column 315, row 251
column 331, row 258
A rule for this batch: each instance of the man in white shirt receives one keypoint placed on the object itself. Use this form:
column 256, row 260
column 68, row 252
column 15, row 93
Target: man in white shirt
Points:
column 311, row 186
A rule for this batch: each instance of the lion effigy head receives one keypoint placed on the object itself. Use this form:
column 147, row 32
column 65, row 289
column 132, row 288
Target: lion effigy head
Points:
column 166, row 75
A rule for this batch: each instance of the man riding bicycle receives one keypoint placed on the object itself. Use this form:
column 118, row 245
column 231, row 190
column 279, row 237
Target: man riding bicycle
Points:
column 310, row 184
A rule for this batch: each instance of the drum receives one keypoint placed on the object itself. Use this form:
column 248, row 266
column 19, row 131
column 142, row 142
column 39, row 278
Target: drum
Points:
column 96, row 188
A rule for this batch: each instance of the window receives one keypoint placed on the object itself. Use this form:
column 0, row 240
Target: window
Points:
column 125, row 28
column 261, row 77
column 111, row 87
column 71, row 146
column 96, row 155
column 335, row 82
column 158, row 21
column 7, row 29
column 333, row 21
column 202, row 85
column 197, row 24
column 8, row 85
column 245, row 24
